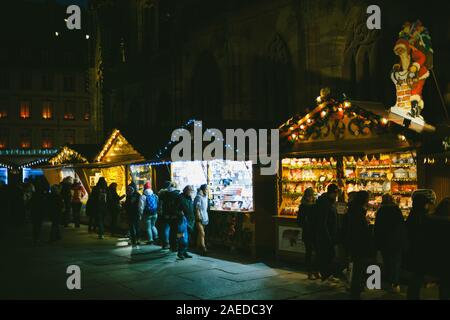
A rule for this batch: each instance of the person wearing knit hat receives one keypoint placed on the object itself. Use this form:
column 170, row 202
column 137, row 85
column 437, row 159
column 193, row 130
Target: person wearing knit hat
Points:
column 148, row 209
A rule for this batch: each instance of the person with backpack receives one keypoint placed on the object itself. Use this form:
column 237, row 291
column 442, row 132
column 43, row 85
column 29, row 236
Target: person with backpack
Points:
column 78, row 194
column 149, row 211
column 132, row 204
column 101, row 206
column 171, row 208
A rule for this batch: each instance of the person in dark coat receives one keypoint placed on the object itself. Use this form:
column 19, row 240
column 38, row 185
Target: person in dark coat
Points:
column 306, row 221
column 101, row 208
column 438, row 255
column 37, row 210
column 417, row 243
column 66, row 193
column 114, row 206
column 171, row 207
column 187, row 217
column 326, row 232
column 390, row 239
column 91, row 206
column 360, row 241
column 55, row 210
column 132, row 208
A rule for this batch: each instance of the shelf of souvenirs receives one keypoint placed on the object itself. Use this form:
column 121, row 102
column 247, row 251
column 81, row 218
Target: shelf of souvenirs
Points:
column 382, row 161
column 309, row 163
column 355, row 180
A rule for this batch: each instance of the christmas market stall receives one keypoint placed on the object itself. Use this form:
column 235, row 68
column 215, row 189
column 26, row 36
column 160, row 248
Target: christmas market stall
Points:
column 231, row 195
column 340, row 142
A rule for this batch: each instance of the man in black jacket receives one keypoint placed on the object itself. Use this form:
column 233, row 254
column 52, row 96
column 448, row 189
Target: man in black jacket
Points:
column 326, row 231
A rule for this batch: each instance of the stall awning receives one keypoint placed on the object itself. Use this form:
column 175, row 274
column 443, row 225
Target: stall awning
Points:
column 343, row 127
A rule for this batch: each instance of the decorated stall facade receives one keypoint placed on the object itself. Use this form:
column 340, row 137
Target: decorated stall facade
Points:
column 342, row 143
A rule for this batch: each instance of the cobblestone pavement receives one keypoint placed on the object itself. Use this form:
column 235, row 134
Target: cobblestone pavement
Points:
column 112, row 270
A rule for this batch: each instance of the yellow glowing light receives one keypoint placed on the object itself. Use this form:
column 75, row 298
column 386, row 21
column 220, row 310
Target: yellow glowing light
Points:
column 302, row 126
column 319, row 99
column 384, row 120
column 340, row 109
column 401, row 137
column 309, row 121
column 291, row 128
column 323, row 113
column 347, row 104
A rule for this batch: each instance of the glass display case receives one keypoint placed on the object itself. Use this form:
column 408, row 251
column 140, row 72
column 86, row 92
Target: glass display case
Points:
column 140, row 174
column 299, row 174
column 3, row 175
column 394, row 173
column 185, row 173
column 231, row 185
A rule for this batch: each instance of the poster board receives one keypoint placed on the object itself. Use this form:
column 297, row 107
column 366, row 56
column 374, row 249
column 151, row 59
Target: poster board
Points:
column 290, row 239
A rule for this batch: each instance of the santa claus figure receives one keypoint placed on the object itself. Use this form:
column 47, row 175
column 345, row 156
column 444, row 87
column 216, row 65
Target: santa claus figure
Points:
column 409, row 76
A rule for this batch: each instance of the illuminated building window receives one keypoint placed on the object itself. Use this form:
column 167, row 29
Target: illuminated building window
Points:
column 69, row 110
column 47, row 81
column 47, row 110
column 25, row 139
column 25, row 110
column 69, row 136
column 69, row 83
column 4, row 138
column 47, row 139
column 87, row 112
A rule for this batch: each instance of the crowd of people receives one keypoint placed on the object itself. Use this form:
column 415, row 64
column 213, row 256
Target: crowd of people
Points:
column 414, row 249
column 171, row 218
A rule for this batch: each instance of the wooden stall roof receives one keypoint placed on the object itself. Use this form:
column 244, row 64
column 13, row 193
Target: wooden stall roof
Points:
column 117, row 150
column 340, row 128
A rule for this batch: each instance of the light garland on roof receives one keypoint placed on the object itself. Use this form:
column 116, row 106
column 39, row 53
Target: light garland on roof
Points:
column 67, row 155
column 107, row 145
column 317, row 123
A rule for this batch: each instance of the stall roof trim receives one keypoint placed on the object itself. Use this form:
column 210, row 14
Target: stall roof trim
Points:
column 118, row 149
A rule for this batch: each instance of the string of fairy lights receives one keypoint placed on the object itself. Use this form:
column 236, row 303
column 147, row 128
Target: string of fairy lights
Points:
column 67, row 155
column 317, row 123
column 162, row 151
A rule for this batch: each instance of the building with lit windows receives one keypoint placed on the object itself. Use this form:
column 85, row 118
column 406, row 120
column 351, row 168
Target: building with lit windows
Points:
column 46, row 96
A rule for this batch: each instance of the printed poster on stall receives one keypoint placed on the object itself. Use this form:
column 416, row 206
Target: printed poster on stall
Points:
column 290, row 239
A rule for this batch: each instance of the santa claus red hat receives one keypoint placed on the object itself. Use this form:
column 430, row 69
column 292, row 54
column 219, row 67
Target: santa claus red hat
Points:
column 402, row 43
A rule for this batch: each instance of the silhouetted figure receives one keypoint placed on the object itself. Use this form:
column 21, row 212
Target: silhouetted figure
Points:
column 306, row 219
column 326, row 232
column 438, row 238
column 101, row 206
column 66, row 193
column 417, row 243
column 78, row 194
column 360, row 242
column 114, row 207
column 170, row 206
column 390, row 239
column 91, row 206
column 55, row 209
column 132, row 203
column 187, row 212
column 37, row 211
